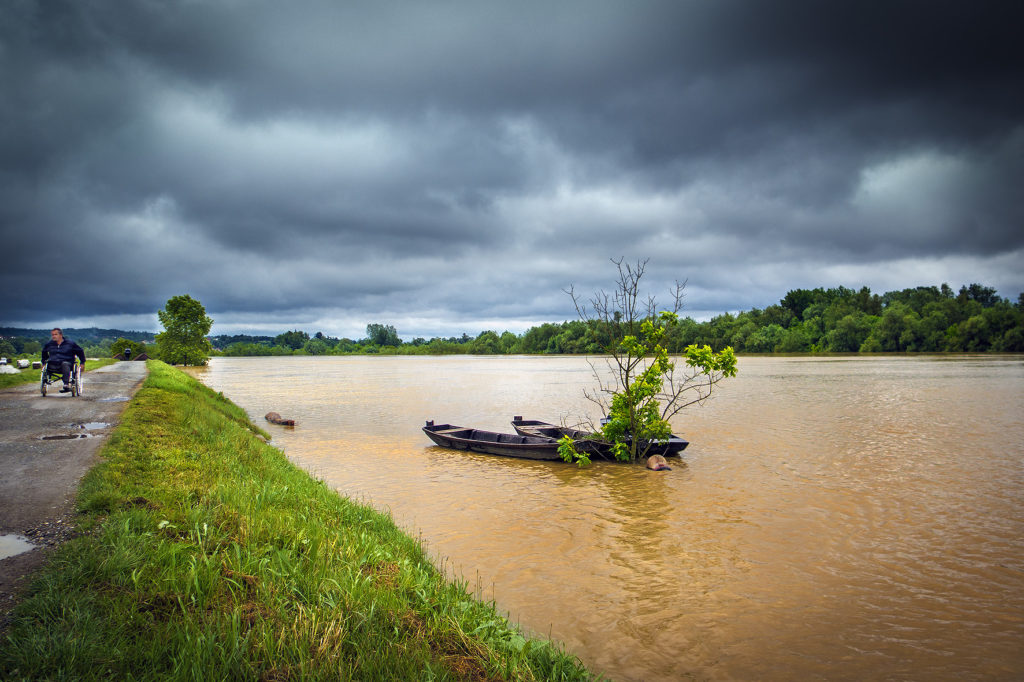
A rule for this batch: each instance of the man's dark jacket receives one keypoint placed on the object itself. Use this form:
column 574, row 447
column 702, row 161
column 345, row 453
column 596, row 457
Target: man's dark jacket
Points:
column 65, row 352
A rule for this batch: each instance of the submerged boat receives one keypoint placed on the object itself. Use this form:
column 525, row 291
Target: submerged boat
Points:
column 493, row 443
column 671, row 447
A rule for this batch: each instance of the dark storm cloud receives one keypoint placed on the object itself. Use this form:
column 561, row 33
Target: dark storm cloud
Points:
column 337, row 163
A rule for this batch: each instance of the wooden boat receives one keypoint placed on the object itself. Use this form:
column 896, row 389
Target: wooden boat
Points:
column 493, row 443
column 670, row 447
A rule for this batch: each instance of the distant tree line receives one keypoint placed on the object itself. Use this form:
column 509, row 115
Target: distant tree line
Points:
column 184, row 340
column 97, row 343
column 380, row 339
column 838, row 320
column 841, row 320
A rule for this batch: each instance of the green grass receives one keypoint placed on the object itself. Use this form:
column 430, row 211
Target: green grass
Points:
column 205, row 554
column 31, row 376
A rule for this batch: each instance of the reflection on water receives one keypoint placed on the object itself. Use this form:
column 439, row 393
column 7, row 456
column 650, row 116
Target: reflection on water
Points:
column 839, row 518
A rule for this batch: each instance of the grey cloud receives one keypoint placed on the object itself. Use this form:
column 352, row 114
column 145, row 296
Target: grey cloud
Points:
column 472, row 159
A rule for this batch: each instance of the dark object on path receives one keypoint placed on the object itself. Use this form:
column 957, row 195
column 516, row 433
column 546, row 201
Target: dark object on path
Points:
column 275, row 418
column 657, row 463
column 492, row 443
column 127, row 353
column 590, row 442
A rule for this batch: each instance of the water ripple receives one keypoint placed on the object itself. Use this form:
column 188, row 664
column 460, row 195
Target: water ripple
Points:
column 837, row 518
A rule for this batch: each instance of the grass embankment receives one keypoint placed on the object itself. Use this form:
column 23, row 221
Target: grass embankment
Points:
column 31, row 376
column 205, row 554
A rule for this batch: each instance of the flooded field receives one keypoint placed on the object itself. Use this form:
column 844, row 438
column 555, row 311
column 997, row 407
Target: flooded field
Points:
column 833, row 518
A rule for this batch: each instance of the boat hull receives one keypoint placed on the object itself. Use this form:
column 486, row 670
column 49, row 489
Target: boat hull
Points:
column 671, row 447
column 493, row 443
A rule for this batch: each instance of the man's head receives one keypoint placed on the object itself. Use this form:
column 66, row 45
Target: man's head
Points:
column 57, row 334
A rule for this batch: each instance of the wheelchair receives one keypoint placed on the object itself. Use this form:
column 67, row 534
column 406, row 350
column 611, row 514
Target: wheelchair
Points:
column 51, row 376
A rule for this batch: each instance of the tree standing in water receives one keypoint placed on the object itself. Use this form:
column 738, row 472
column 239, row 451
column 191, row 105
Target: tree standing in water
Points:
column 648, row 388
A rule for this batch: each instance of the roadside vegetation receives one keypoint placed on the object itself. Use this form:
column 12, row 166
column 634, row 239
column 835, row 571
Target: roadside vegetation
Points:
column 205, row 554
column 31, row 376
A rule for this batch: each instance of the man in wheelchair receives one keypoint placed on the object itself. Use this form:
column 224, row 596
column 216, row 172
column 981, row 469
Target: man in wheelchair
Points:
column 59, row 358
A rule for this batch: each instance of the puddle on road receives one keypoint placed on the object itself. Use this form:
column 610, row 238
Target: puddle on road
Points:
column 13, row 545
column 115, row 399
column 78, row 426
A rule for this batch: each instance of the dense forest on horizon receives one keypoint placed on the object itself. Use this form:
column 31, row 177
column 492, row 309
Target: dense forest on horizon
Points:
column 838, row 320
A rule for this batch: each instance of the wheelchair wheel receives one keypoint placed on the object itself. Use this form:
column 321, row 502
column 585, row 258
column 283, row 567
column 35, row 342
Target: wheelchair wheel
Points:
column 42, row 384
column 78, row 381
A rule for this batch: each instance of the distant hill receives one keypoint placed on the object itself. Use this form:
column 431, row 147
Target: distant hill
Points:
column 92, row 335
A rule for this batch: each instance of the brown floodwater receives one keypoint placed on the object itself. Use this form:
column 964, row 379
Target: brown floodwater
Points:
column 833, row 518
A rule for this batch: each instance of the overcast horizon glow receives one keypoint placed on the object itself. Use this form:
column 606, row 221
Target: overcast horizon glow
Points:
column 451, row 167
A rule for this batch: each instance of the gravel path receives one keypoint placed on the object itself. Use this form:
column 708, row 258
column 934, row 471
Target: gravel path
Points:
column 46, row 445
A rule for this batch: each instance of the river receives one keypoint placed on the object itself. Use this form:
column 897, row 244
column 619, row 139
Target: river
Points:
column 833, row 518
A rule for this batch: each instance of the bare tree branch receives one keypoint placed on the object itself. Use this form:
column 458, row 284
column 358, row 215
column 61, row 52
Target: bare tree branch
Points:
column 615, row 321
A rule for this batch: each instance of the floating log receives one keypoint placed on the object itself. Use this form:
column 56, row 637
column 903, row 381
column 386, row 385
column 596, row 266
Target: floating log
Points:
column 275, row 418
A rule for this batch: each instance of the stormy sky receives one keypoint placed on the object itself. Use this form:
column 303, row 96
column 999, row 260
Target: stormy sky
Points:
column 453, row 166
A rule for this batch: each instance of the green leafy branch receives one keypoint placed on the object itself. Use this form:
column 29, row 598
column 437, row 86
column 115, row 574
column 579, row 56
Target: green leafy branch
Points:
column 649, row 389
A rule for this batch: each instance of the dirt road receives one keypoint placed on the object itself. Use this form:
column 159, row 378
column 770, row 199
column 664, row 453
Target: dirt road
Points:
column 46, row 445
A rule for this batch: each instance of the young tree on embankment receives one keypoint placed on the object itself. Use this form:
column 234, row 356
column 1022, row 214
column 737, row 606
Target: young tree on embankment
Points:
column 648, row 387
column 186, row 324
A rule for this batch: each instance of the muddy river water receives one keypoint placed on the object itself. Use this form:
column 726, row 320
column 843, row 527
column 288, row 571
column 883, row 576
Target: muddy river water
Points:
column 833, row 518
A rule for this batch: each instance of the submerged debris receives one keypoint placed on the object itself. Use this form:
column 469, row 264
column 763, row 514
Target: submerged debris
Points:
column 658, row 463
column 275, row 418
